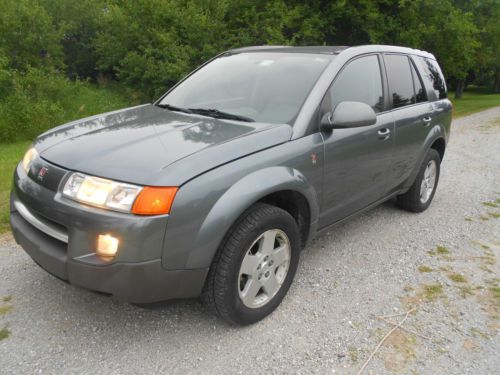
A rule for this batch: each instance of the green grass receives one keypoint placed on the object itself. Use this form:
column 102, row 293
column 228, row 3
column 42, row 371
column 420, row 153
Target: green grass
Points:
column 5, row 309
column 493, row 204
column 432, row 291
column 10, row 155
column 4, row 333
column 457, row 278
column 424, row 268
column 442, row 250
column 473, row 100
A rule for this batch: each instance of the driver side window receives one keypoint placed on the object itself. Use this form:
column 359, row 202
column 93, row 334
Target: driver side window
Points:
column 359, row 81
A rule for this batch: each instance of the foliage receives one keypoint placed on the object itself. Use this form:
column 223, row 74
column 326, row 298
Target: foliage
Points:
column 37, row 101
column 9, row 157
column 51, row 51
column 27, row 36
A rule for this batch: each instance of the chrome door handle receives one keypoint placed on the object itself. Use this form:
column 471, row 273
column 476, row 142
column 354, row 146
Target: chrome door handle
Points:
column 427, row 120
column 384, row 133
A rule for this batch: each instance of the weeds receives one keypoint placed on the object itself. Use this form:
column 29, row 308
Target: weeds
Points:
column 5, row 309
column 432, row 291
column 424, row 269
column 457, row 278
column 4, row 333
column 492, row 204
column 442, row 250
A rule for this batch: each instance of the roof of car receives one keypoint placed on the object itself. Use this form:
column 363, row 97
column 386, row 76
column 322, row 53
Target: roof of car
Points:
column 333, row 50
column 291, row 49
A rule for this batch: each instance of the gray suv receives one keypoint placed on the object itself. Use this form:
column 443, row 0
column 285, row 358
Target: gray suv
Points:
column 214, row 189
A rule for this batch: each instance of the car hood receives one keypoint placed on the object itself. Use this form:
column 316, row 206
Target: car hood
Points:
column 149, row 145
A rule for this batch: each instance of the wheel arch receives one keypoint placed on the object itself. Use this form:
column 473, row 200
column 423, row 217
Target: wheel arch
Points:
column 439, row 144
column 435, row 140
column 284, row 187
column 297, row 205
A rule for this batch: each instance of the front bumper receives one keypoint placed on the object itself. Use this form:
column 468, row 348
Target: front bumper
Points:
column 65, row 249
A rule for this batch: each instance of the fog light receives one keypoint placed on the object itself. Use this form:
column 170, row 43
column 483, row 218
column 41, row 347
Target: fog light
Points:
column 107, row 245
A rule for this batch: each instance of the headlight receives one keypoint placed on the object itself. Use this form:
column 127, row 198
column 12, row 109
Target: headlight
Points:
column 29, row 156
column 118, row 196
column 101, row 192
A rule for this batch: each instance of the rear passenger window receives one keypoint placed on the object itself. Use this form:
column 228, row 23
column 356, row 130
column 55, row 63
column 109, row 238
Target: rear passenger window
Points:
column 359, row 81
column 420, row 95
column 400, row 80
column 435, row 76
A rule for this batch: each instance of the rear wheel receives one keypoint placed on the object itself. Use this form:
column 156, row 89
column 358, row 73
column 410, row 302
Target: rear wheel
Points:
column 254, row 266
column 420, row 195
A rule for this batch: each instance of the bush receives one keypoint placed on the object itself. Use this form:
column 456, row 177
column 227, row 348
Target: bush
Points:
column 38, row 100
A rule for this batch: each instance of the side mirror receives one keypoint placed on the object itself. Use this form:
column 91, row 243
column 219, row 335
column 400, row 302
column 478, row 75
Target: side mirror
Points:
column 349, row 115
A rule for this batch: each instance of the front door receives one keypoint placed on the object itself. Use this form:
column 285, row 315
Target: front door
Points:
column 357, row 160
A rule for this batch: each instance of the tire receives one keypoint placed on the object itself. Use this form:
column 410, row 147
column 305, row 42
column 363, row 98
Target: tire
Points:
column 228, row 289
column 415, row 200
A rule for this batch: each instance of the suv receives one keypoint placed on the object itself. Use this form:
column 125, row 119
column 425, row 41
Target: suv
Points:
column 214, row 189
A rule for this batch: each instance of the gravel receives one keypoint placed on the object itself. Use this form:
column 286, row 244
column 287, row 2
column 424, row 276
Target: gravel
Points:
column 364, row 268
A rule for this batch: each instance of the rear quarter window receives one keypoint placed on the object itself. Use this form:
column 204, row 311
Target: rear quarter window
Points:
column 433, row 77
column 420, row 94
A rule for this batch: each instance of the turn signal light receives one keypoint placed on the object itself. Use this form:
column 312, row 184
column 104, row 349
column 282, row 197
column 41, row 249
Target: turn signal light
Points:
column 154, row 200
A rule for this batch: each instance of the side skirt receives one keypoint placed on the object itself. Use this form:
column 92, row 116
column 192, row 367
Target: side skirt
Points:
column 325, row 229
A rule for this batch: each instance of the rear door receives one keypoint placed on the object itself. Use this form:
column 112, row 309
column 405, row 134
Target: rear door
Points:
column 412, row 114
column 435, row 84
column 357, row 160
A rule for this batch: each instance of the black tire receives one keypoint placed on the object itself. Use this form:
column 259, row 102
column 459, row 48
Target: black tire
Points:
column 221, row 293
column 410, row 200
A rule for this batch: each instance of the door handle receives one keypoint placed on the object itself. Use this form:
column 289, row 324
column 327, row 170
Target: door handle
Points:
column 384, row 133
column 427, row 120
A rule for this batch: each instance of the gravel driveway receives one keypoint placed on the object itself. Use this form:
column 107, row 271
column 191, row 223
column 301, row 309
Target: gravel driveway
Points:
column 442, row 262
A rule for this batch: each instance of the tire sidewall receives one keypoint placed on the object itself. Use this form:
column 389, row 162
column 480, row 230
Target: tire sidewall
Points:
column 431, row 155
column 246, row 315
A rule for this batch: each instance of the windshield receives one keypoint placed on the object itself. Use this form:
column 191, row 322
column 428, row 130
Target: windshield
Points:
column 265, row 87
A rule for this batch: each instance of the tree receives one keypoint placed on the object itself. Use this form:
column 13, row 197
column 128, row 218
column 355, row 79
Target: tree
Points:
column 77, row 21
column 27, row 36
column 151, row 44
column 435, row 26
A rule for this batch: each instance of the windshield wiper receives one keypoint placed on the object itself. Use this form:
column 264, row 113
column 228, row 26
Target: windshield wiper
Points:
column 173, row 108
column 212, row 112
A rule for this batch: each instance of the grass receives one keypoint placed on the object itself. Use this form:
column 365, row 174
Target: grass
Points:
column 492, row 204
column 353, row 354
column 457, row 278
column 432, row 291
column 4, row 333
column 465, row 291
column 10, row 155
column 5, row 309
column 424, row 269
column 495, row 299
column 495, row 215
column 442, row 250
column 473, row 100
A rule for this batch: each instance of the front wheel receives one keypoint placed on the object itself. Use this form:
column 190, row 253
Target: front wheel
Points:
column 420, row 195
column 254, row 266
